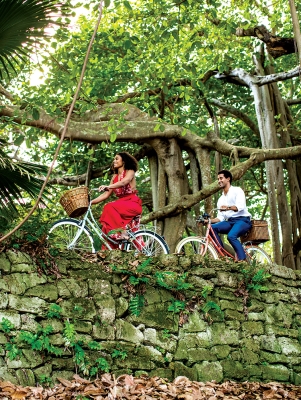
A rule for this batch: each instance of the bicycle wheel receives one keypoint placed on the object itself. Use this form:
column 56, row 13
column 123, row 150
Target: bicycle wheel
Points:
column 257, row 255
column 62, row 233
column 195, row 245
column 149, row 243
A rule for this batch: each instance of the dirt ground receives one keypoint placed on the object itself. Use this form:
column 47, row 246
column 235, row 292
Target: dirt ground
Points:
column 145, row 388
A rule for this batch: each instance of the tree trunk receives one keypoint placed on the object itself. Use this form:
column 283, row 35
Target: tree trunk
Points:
column 176, row 183
column 275, row 177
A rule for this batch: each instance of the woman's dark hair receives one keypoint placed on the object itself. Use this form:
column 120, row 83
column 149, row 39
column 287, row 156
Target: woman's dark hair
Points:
column 130, row 162
column 226, row 173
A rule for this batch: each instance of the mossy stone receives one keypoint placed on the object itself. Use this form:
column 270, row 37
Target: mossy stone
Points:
column 209, row 371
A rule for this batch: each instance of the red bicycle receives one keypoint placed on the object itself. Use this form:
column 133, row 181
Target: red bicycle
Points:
column 209, row 246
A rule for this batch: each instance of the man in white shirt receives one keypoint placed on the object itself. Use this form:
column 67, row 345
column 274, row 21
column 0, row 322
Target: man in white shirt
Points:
column 233, row 217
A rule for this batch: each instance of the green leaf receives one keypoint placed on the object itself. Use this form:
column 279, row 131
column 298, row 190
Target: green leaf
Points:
column 19, row 140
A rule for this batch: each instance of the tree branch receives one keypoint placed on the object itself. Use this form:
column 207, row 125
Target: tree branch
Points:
column 236, row 113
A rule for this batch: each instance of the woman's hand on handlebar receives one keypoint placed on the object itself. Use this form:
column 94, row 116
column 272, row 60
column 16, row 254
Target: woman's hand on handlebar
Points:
column 103, row 188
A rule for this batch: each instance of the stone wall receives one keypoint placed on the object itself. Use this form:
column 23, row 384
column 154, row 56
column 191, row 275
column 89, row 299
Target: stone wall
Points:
column 214, row 338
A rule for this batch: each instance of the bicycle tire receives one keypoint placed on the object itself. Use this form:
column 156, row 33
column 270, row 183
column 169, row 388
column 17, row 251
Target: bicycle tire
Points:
column 149, row 243
column 257, row 255
column 62, row 232
column 195, row 245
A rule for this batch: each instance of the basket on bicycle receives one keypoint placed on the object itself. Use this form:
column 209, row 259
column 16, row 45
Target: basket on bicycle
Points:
column 75, row 201
column 259, row 233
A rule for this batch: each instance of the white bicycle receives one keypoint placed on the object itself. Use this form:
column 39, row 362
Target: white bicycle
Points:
column 73, row 234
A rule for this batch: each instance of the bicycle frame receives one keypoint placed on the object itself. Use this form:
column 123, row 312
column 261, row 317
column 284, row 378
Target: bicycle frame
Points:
column 210, row 238
column 92, row 225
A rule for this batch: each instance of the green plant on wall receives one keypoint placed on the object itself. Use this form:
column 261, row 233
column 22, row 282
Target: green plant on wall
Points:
column 81, row 361
column 136, row 304
column 55, row 311
column 253, row 278
column 40, row 340
column 177, row 306
column 172, row 281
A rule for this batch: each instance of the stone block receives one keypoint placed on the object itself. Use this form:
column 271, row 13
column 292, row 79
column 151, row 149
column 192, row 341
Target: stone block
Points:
column 289, row 347
column 79, row 308
column 202, row 272
column 225, row 279
column 221, row 351
column 105, row 306
column 25, row 377
column 122, row 306
column 68, row 375
column 72, row 288
column 253, row 316
column 164, row 373
column 200, row 354
column 277, row 330
column 278, row 373
column 231, row 305
column 227, row 294
column 8, row 375
column 181, row 369
column 157, row 316
column 151, row 353
column 99, row 286
column 248, row 357
column 5, row 264
column 296, row 379
column 209, row 371
column 48, row 292
column 17, row 257
column 221, row 334
column 128, row 332
column 233, row 315
column 13, row 317
column 273, row 358
column 195, row 323
column 270, row 343
column 45, row 370
column 103, row 332
column 3, row 300
column 282, row 272
column 33, row 305
column 158, row 338
column 251, row 328
column 234, row 370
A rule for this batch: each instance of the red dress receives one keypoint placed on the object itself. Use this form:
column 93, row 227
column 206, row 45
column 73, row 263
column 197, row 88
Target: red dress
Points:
column 120, row 213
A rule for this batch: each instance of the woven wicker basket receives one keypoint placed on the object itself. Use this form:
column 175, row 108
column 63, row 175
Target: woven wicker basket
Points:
column 76, row 201
column 259, row 233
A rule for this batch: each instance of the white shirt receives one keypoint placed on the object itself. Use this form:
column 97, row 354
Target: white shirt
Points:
column 234, row 197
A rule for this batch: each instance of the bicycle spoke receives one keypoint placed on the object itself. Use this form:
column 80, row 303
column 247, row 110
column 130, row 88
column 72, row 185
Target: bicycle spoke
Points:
column 195, row 245
column 148, row 243
column 257, row 255
column 62, row 235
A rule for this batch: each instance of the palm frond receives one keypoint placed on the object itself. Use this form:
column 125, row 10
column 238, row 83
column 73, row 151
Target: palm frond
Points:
column 15, row 179
column 22, row 24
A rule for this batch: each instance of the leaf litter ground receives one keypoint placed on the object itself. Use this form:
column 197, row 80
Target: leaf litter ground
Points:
column 144, row 388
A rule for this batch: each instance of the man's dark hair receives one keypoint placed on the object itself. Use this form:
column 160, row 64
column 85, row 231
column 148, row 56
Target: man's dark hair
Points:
column 226, row 173
column 130, row 162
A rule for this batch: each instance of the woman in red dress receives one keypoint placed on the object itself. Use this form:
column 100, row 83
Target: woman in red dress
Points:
column 119, row 213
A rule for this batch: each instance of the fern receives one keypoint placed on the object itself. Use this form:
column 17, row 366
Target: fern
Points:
column 136, row 304
column 40, row 340
column 206, row 291
column 144, row 267
column 136, row 281
column 6, row 326
column 177, row 306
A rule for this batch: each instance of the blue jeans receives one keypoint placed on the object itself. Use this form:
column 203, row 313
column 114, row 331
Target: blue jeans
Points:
column 235, row 227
